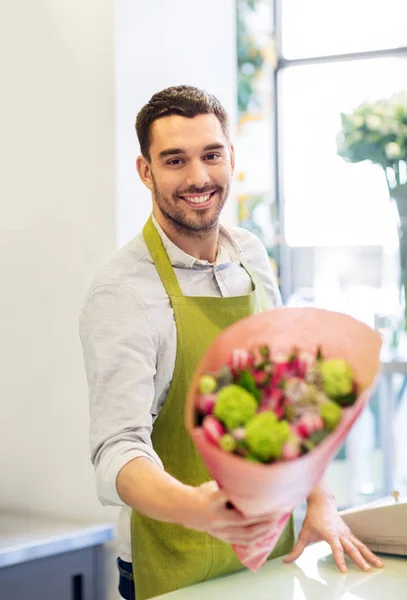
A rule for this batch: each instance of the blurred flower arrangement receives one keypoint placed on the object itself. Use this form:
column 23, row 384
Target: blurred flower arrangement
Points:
column 265, row 409
column 378, row 132
column 250, row 57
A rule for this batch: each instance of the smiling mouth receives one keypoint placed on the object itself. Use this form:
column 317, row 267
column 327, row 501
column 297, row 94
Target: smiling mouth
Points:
column 197, row 199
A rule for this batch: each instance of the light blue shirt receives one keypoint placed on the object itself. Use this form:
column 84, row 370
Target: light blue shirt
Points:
column 128, row 336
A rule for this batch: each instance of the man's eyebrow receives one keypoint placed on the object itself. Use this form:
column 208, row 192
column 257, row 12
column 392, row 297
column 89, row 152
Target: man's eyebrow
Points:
column 216, row 146
column 172, row 151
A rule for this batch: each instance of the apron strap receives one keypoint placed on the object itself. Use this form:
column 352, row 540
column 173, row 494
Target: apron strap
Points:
column 258, row 285
column 167, row 274
column 160, row 258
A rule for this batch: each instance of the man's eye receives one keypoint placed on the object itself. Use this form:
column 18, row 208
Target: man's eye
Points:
column 212, row 156
column 174, row 161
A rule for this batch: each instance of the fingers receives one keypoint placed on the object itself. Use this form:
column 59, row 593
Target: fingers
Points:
column 245, row 533
column 357, row 551
column 228, row 516
column 368, row 555
column 217, row 495
column 354, row 553
column 298, row 549
column 338, row 554
column 248, row 536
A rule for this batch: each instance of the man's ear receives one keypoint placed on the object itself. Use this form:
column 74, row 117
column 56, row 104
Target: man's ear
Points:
column 232, row 158
column 144, row 171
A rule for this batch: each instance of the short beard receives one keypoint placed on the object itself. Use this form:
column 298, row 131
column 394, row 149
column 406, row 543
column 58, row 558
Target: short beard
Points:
column 180, row 223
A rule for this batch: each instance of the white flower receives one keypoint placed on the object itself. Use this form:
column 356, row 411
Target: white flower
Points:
column 400, row 98
column 358, row 120
column 356, row 137
column 374, row 122
column 392, row 150
column 379, row 110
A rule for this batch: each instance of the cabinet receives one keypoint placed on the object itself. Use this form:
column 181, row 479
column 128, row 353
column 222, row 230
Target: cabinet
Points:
column 48, row 560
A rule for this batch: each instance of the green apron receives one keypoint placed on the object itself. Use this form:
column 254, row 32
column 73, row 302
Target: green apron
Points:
column 168, row 556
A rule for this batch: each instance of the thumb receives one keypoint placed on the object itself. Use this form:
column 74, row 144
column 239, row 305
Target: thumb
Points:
column 212, row 488
column 297, row 550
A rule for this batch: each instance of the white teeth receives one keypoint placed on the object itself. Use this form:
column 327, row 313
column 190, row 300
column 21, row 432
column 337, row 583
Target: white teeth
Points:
column 198, row 199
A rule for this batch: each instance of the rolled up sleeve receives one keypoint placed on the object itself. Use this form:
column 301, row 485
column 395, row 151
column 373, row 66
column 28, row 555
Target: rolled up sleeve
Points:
column 119, row 347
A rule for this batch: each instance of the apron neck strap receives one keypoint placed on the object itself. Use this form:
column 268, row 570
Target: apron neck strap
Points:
column 160, row 258
column 165, row 269
column 258, row 285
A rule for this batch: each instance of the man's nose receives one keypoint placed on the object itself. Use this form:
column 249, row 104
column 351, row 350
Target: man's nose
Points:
column 197, row 174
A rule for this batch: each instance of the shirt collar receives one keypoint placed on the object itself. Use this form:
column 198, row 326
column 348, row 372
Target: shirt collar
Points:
column 228, row 250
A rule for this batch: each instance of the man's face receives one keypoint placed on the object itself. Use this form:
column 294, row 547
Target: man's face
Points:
column 190, row 171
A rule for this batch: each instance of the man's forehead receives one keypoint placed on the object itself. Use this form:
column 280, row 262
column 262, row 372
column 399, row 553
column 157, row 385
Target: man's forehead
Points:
column 179, row 131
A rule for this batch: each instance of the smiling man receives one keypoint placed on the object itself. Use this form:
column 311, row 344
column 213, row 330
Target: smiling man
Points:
column 146, row 322
column 187, row 162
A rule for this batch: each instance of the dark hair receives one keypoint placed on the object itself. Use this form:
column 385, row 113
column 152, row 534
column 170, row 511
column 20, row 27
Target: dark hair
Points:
column 182, row 100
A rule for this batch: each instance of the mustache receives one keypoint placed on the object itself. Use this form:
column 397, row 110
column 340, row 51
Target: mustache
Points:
column 201, row 191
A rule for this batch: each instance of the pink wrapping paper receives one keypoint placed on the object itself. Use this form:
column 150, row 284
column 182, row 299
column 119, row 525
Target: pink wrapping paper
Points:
column 257, row 489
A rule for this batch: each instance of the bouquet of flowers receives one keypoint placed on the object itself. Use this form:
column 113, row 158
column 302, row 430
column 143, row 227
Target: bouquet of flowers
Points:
column 271, row 403
column 266, row 409
column 377, row 132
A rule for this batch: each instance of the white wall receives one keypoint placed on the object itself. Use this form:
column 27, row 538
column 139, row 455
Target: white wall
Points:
column 57, row 225
column 64, row 209
column 160, row 43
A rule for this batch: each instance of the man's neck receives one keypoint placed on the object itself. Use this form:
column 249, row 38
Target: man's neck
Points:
column 201, row 246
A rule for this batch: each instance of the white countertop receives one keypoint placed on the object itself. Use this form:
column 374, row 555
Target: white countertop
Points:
column 25, row 537
column 314, row 576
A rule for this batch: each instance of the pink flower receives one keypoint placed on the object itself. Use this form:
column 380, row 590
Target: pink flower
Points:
column 213, row 429
column 297, row 366
column 306, row 362
column 239, row 434
column 292, row 448
column 260, row 377
column 273, row 400
column 240, row 359
column 281, row 371
column 308, row 424
column 301, row 368
column 286, row 370
column 206, row 403
column 295, row 389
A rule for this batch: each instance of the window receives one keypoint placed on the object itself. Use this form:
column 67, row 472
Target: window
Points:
column 327, row 201
column 337, row 226
column 321, row 27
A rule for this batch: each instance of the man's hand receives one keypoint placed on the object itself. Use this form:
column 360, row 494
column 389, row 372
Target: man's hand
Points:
column 323, row 523
column 212, row 516
column 157, row 495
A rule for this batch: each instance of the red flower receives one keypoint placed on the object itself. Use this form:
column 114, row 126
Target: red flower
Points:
column 260, row 377
column 308, row 424
column 273, row 400
column 213, row 429
column 206, row 403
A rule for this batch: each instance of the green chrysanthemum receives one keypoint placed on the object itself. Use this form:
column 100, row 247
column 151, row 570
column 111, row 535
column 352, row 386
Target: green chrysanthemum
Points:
column 331, row 414
column 266, row 436
column 337, row 377
column 234, row 406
